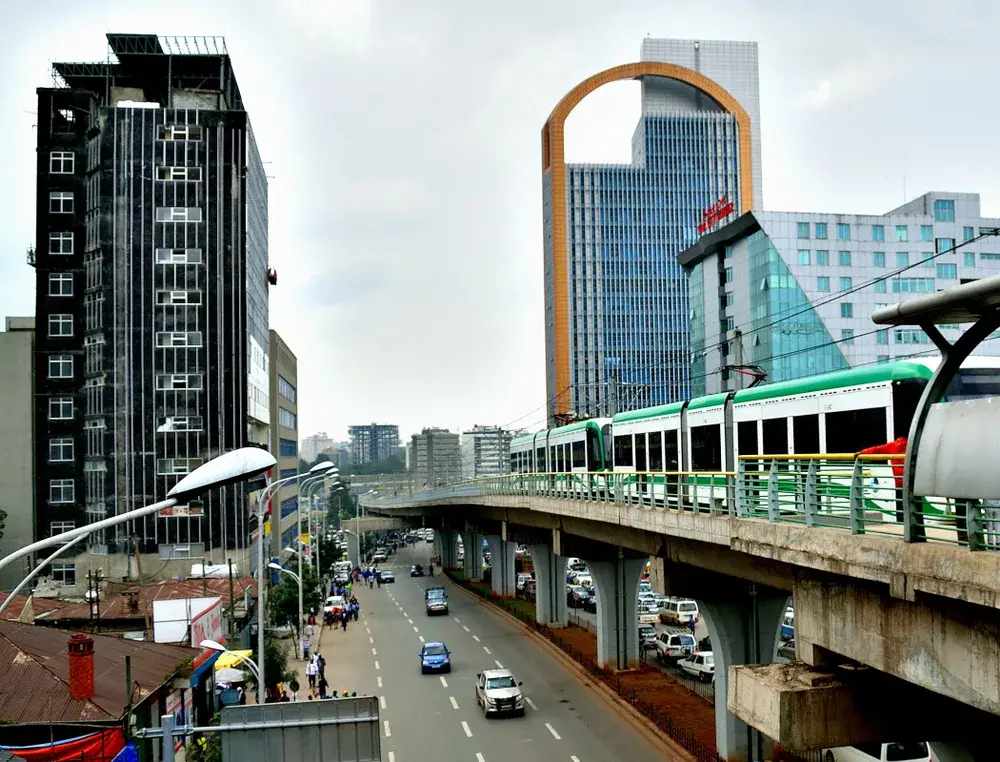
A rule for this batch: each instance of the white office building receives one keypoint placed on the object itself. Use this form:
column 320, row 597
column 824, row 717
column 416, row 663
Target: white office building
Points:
column 485, row 452
column 792, row 293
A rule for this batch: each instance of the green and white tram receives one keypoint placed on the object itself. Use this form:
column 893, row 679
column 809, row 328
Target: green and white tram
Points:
column 577, row 448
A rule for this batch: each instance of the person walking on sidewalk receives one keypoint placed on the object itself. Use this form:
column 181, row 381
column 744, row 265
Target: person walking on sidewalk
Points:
column 311, row 671
column 344, row 616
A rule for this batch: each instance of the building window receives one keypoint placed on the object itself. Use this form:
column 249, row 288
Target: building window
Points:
column 287, row 473
column 178, row 214
column 969, row 258
column 878, row 232
column 882, row 336
column 803, row 256
column 878, row 259
column 60, row 408
column 847, row 336
column 61, row 449
column 821, row 231
column 58, row 527
column 289, row 506
column 902, row 259
column 823, row 283
column 926, row 232
column 942, row 245
column 913, row 286
column 176, row 466
column 60, row 284
column 286, row 418
column 844, row 258
column 910, row 336
column 846, row 310
column 843, row 231
column 880, row 286
column 180, row 132
column 62, row 491
column 61, row 163
column 178, row 256
column 822, row 257
column 168, row 381
column 902, row 233
column 189, row 174
column 846, row 283
column 803, row 229
column 947, row 271
column 988, row 257
column 968, row 233
column 882, row 359
column 61, row 202
column 728, row 299
column 288, row 448
column 180, row 423
column 64, row 573
column 167, row 339
column 60, row 243
column 944, row 210
column 61, row 366
column 178, row 297
column 60, row 326
column 729, row 275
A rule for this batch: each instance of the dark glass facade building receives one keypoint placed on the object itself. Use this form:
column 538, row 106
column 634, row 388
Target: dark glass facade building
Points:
column 151, row 263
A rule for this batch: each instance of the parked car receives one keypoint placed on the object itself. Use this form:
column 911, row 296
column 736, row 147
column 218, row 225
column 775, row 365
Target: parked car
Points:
column 387, row 576
column 497, row 692
column 435, row 657
column 700, row 666
column 679, row 611
column 786, row 651
column 522, row 580
column 379, row 557
column 416, row 570
column 878, row 751
column 647, row 636
column 788, row 624
column 671, row 646
column 334, row 605
column 648, row 614
column 576, row 596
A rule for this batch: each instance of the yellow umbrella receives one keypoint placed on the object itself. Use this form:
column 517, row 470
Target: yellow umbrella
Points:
column 232, row 658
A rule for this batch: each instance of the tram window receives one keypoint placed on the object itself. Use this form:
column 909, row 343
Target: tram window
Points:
column 606, row 439
column 776, row 436
column 540, row 460
column 655, row 451
column 552, row 459
column 579, row 454
column 853, row 430
column 513, row 463
column 706, row 448
column 670, row 460
column 623, row 450
column 746, row 438
column 640, row 452
column 905, row 396
column 973, row 383
column 805, row 429
column 593, row 451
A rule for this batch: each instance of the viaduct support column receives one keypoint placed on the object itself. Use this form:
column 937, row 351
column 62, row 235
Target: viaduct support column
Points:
column 550, row 585
column 743, row 629
column 501, row 565
column 616, row 583
column 439, row 546
column 472, row 542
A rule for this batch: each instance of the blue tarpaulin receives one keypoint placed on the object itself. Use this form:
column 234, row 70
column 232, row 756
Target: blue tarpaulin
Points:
column 128, row 754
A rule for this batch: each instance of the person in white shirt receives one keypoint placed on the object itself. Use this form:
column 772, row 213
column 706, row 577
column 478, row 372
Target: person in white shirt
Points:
column 312, row 669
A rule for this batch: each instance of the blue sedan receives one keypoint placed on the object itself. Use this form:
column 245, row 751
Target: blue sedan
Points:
column 435, row 657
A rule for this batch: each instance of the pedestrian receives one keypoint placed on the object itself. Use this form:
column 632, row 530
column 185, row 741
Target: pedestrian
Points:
column 371, row 581
column 321, row 666
column 311, row 671
column 356, row 608
column 306, row 643
column 323, row 685
column 378, row 579
column 344, row 616
column 895, row 447
column 690, row 624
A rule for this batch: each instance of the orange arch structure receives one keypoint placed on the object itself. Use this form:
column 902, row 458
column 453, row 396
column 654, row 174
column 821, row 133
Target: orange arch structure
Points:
column 554, row 163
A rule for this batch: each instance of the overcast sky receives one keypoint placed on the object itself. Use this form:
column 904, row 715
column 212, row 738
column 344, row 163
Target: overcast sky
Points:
column 403, row 140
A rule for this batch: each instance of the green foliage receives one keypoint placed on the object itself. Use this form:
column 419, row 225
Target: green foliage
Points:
column 394, row 465
column 283, row 598
column 205, row 747
column 276, row 667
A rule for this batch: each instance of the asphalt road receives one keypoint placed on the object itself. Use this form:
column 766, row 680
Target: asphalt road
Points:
column 435, row 717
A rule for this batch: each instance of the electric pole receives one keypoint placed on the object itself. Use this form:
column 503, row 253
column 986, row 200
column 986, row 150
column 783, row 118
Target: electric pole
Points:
column 613, row 394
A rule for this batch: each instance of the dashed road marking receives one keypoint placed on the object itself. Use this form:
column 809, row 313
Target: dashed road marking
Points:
column 465, row 628
column 443, row 681
column 371, row 639
column 486, row 649
column 457, row 620
column 530, row 702
column 499, row 665
column 573, row 758
column 381, row 701
column 480, row 757
column 454, row 704
column 379, row 682
column 409, row 620
column 415, row 629
column 552, row 730
column 374, row 652
column 465, row 727
column 421, row 638
column 475, row 638
column 376, row 664
column 392, row 756
column 388, row 733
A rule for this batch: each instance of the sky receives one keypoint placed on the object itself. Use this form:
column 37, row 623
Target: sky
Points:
column 403, row 144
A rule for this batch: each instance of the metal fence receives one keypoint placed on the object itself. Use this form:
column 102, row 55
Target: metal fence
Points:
column 858, row 494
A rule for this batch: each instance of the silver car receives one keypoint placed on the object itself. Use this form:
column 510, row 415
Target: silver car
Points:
column 497, row 692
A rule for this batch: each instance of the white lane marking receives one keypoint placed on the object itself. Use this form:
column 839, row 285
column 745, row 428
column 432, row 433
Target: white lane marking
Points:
column 368, row 631
column 457, row 620
column 374, row 652
column 415, row 629
column 404, row 613
column 381, row 701
column 497, row 662
column 379, row 682
column 465, row 628
column 530, row 702
column 376, row 664
column 388, row 733
column 371, row 639
column 465, row 727
column 475, row 638
column 454, row 703
column 552, row 730
column 364, row 622
column 573, row 758
column 421, row 638
column 392, row 757
column 443, row 681
column 480, row 757
column 486, row 649
column 410, row 621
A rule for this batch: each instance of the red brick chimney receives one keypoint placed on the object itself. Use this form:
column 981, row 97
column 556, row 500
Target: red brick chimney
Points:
column 81, row 666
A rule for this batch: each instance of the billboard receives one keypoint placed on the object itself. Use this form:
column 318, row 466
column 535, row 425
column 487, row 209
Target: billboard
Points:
column 208, row 624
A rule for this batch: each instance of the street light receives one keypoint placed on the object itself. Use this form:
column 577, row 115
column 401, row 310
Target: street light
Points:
column 321, row 467
column 228, row 468
column 310, row 499
column 34, row 572
column 214, row 646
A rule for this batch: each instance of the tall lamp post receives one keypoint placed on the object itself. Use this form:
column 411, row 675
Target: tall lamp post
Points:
column 307, row 486
column 320, row 467
column 311, row 498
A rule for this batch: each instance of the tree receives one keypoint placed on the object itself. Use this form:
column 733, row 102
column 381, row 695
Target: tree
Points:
column 283, row 598
column 3, row 521
column 276, row 666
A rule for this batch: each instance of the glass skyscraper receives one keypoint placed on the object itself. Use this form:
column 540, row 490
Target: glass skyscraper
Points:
column 617, row 301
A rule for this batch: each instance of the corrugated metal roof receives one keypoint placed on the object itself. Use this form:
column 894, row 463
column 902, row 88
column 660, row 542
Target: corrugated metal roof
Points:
column 35, row 664
column 38, row 605
column 114, row 607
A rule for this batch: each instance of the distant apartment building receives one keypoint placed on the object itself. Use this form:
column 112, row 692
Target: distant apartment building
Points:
column 313, row 445
column 435, row 458
column 284, row 437
column 151, row 306
column 17, row 467
column 485, row 452
column 373, row 442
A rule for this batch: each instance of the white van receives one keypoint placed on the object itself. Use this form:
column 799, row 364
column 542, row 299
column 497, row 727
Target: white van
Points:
column 880, row 751
column 678, row 611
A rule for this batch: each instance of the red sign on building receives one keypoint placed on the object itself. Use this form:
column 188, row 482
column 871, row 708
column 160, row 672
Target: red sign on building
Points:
column 716, row 213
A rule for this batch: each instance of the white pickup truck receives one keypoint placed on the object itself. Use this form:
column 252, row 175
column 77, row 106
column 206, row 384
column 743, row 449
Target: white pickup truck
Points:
column 674, row 645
